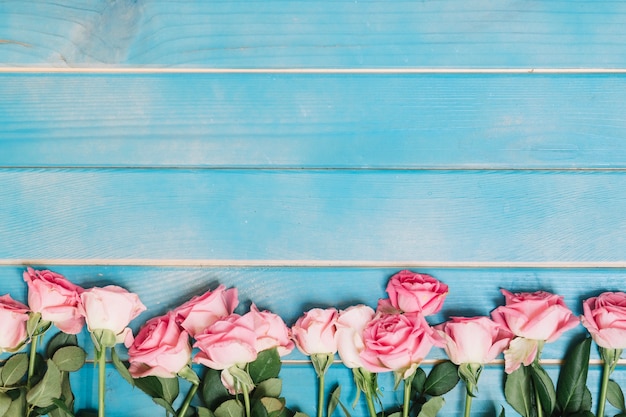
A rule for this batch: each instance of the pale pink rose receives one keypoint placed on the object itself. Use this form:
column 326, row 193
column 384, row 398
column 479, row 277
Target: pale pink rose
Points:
column 476, row 340
column 539, row 315
column 13, row 318
column 397, row 342
column 411, row 292
column 314, row 332
column 56, row 298
column 111, row 308
column 604, row 317
column 350, row 326
column 228, row 342
column 202, row 311
column 271, row 331
column 161, row 348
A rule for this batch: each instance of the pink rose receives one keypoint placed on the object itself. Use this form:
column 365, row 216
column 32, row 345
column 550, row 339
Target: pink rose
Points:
column 161, row 348
column 202, row 311
column 271, row 331
column 111, row 308
column 397, row 342
column 13, row 318
column 476, row 340
column 314, row 332
column 56, row 298
column 411, row 292
column 604, row 317
column 228, row 342
column 534, row 318
column 350, row 326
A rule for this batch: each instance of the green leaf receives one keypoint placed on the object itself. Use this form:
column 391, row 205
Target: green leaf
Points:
column 518, row 391
column 502, row 413
column 266, row 365
column 121, row 368
column 163, row 403
column 273, row 405
column 17, row 407
column 62, row 409
column 5, row 403
column 587, row 400
column 58, row 341
column 269, row 388
column 442, row 378
column 170, row 388
column 571, row 385
column 544, row 387
column 150, row 385
column 14, row 369
column 419, row 380
column 213, row 391
column 204, row 412
column 230, row 408
column 69, row 358
column 258, row 409
column 42, row 394
column 615, row 396
column 431, row 407
column 300, row 414
column 66, row 403
column 333, row 401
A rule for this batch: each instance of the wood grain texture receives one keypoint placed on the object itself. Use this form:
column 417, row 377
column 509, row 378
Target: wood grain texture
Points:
column 326, row 34
column 392, row 121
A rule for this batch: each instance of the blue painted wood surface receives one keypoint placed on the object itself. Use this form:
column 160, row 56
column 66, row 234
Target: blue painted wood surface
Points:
column 305, row 151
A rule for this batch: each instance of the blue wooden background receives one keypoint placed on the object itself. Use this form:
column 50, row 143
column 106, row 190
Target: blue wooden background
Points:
column 306, row 151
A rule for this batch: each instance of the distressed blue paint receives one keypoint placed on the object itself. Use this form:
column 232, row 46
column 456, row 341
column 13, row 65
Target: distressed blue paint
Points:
column 327, row 34
column 345, row 121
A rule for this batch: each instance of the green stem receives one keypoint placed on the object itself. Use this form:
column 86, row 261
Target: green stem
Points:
column 606, row 371
column 370, row 403
column 246, row 400
column 538, row 402
column 101, row 380
column 31, row 361
column 407, row 396
column 320, row 395
column 468, row 404
column 185, row 406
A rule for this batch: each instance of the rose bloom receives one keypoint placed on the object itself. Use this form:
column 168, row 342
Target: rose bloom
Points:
column 271, row 331
column 350, row 326
column 227, row 342
column 111, row 308
column 161, row 348
column 314, row 332
column 202, row 311
column 397, row 342
column 13, row 318
column 477, row 340
column 604, row 317
column 411, row 292
column 56, row 298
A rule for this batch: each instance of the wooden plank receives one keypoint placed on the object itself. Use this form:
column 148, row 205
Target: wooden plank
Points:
column 406, row 121
column 438, row 216
column 325, row 34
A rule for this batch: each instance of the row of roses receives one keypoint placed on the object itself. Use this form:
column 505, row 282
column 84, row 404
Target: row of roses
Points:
column 395, row 337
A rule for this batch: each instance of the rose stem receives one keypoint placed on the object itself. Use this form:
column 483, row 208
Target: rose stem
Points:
column 246, row 399
column 606, row 371
column 188, row 398
column 370, row 401
column 468, row 404
column 31, row 361
column 320, row 395
column 407, row 396
column 101, row 380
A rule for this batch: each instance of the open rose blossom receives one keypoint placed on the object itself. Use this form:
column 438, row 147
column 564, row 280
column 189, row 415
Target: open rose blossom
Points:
column 111, row 308
column 411, row 292
column 271, row 331
column 56, row 298
column 604, row 317
column 228, row 342
column 314, row 332
column 161, row 348
column 534, row 318
column 350, row 326
column 202, row 311
column 397, row 342
column 475, row 340
column 13, row 317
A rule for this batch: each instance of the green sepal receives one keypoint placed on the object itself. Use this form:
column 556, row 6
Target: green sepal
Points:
column 321, row 362
column 469, row 373
column 35, row 326
column 189, row 374
column 610, row 357
column 102, row 339
column 442, row 378
column 242, row 378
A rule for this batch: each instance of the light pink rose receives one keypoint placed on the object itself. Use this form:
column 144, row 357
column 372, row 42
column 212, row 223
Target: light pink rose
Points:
column 202, row 311
column 604, row 317
column 314, row 332
column 411, row 292
column 13, row 318
column 350, row 326
column 228, row 342
column 534, row 318
column 56, row 298
column 397, row 342
column 161, row 348
column 476, row 340
column 111, row 308
column 271, row 331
